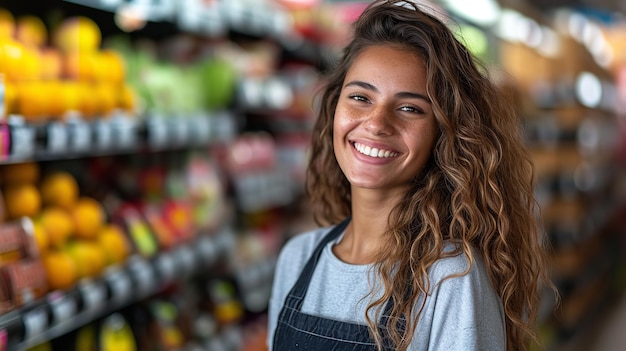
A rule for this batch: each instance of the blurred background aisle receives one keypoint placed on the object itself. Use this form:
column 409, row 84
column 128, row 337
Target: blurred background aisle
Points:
column 152, row 157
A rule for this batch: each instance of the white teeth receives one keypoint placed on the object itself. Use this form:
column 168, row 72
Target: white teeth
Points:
column 374, row 152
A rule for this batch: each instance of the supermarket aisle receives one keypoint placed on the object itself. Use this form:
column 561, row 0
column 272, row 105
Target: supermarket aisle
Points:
column 606, row 332
column 612, row 335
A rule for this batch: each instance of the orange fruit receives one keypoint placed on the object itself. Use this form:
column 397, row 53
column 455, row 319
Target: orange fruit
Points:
column 106, row 94
column 32, row 101
column 22, row 200
column 69, row 96
column 88, row 216
column 57, row 105
column 41, row 237
column 114, row 242
column 23, row 172
column 59, row 189
column 60, row 269
column 77, row 34
column 57, row 223
column 89, row 257
column 51, row 62
column 31, row 31
column 88, row 103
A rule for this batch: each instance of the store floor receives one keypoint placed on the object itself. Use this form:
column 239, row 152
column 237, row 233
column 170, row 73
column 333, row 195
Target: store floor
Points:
column 608, row 332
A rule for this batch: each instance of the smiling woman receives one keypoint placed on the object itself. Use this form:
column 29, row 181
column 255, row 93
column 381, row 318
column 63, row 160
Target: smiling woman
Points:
column 383, row 111
column 424, row 191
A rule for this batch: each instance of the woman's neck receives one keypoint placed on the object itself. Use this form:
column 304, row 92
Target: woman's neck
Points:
column 365, row 233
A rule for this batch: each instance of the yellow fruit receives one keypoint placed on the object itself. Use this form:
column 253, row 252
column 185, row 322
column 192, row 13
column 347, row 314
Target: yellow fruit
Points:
column 32, row 101
column 78, row 65
column 58, row 224
column 59, row 189
column 88, row 103
column 89, row 257
column 77, row 34
column 41, row 237
column 56, row 106
column 24, row 172
column 106, row 96
column 7, row 24
column 114, row 242
column 31, row 31
column 22, row 200
column 10, row 97
column 69, row 96
column 60, row 269
column 88, row 216
column 18, row 62
column 127, row 98
column 110, row 67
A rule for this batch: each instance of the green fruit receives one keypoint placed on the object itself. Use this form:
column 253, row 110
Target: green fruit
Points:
column 219, row 83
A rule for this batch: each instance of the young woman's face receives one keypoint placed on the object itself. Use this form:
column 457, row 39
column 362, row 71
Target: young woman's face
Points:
column 384, row 128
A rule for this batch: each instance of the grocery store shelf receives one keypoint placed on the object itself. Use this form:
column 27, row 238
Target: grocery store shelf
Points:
column 60, row 312
column 119, row 134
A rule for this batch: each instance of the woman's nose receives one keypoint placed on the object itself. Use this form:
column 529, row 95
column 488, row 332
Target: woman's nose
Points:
column 378, row 122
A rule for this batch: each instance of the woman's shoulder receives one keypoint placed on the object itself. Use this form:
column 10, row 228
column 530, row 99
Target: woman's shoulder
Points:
column 456, row 263
column 299, row 247
column 306, row 239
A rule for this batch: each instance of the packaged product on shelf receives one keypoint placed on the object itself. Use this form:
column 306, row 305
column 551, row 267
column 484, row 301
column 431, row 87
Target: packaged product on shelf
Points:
column 21, row 270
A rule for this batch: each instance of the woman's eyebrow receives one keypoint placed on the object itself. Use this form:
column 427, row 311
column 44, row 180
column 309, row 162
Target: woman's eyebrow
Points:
column 403, row 94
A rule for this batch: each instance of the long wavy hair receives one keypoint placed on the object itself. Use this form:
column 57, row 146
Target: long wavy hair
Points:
column 476, row 189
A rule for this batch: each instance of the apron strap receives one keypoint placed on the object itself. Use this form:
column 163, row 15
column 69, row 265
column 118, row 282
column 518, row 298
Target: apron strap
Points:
column 295, row 297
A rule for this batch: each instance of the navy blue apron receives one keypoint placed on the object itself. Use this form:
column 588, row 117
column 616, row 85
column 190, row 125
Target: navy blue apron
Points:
column 300, row 331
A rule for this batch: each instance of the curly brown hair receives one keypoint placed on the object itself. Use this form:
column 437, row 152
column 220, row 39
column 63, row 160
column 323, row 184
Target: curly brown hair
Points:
column 477, row 187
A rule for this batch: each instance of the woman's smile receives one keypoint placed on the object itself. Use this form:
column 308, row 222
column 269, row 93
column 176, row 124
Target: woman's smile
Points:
column 374, row 151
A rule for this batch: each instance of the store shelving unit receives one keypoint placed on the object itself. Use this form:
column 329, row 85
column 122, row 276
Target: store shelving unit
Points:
column 72, row 140
column 61, row 312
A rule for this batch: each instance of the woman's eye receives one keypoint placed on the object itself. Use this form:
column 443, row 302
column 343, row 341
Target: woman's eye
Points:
column 411, row 109
column 358, row 98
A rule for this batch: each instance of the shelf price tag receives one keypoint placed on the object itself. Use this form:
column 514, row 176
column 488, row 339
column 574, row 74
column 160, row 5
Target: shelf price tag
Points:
column 144, row 275
column 120, row 284
column 157, row 132
column 180, row 130
column 35, row 322
column 160, row 10
column 63, row 307
column 22, row 139
column 201, row 16
column 80, row 140
column 206, row 249
column 108, row 5
column 93, row 294
column 166, row 266
column 124, row 129
column 56, row 138
column 201, row 128
column 103, row 135
column 185, row 259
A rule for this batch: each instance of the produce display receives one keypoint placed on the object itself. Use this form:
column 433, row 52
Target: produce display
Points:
column 55, row 73
column 127, row 220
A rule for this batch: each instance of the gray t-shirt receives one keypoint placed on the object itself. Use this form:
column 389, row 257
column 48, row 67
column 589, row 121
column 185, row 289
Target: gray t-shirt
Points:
column 461, row 313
